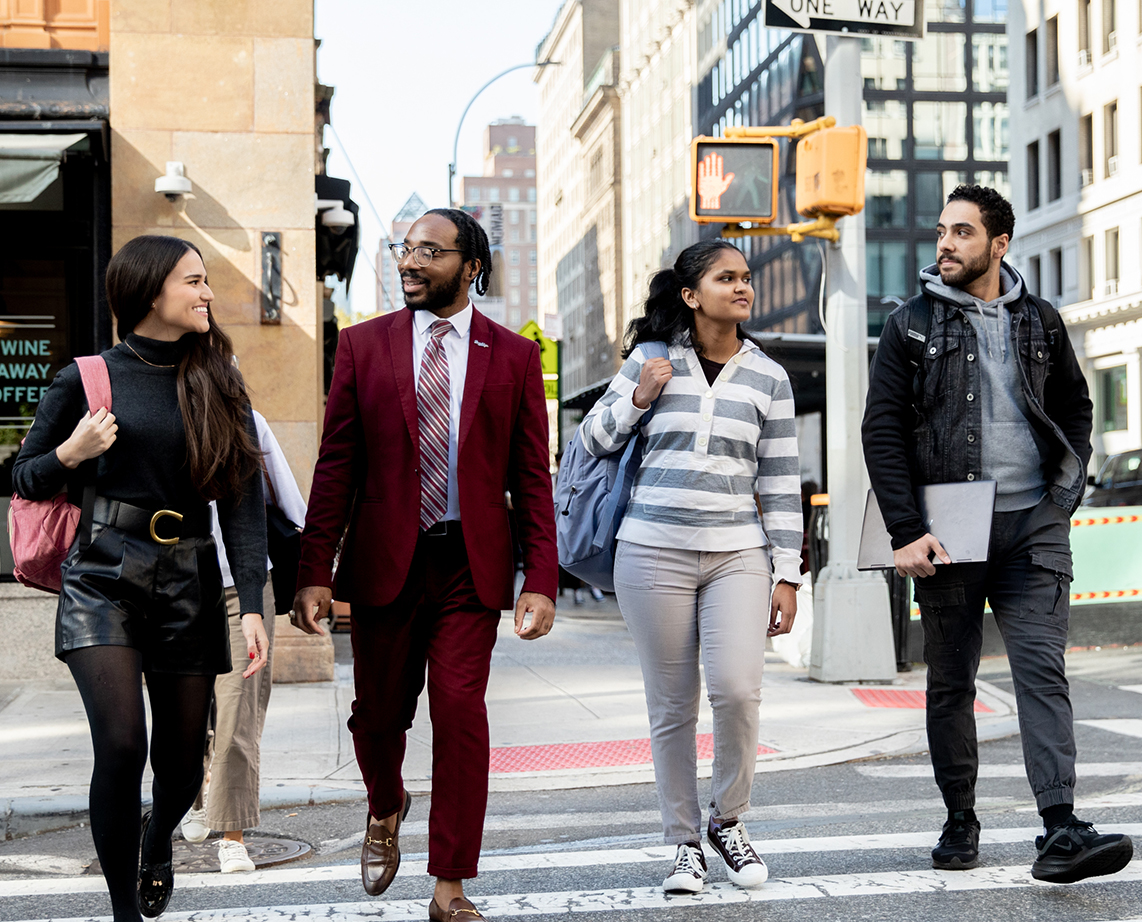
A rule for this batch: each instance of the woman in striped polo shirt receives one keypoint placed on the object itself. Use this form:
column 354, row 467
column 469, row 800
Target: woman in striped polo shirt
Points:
column 698, row 571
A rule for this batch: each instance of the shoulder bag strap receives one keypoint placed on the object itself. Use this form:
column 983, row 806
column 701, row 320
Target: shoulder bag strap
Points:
column 97, row 388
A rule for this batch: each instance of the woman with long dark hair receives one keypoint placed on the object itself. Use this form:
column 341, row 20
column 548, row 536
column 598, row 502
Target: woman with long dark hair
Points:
column 144, row 596
column 696, row 564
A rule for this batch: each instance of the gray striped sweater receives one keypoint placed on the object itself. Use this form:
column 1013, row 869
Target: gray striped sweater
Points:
column 709, row 448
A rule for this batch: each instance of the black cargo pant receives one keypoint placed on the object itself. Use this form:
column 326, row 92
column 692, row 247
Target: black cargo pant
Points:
column 1027, row 582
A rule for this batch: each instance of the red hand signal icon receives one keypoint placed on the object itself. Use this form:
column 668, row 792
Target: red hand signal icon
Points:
column 712, row 184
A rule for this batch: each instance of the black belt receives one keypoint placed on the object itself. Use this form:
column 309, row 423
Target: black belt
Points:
column 441, row 529
column 164, row 526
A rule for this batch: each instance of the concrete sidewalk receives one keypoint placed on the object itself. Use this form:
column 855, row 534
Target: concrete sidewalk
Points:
column 565, row 711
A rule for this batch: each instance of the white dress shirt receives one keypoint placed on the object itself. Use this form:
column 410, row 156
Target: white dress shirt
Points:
column 456, row 348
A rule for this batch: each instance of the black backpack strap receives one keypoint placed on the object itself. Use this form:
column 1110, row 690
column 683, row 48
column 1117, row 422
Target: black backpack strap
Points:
column 1049, row 317
column 918, row 329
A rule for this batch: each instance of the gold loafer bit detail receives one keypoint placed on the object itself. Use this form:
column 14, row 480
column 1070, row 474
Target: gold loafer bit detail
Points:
column 387, row 843
column 154, row 519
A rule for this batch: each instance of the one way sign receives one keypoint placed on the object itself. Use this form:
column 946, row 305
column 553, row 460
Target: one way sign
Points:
column 899, row 18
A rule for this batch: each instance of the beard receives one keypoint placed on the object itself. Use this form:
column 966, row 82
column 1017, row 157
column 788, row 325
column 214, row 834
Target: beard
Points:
column 436, row 296
column 966, row 272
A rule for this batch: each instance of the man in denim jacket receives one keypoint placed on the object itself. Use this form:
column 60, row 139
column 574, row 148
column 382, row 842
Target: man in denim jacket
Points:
column 984, row 385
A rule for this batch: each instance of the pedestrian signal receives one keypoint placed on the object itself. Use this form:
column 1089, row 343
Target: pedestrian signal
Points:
column 733, row 180
column 830, row 171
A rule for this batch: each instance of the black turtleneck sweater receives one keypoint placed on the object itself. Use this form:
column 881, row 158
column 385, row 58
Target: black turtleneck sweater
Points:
column 147, row 465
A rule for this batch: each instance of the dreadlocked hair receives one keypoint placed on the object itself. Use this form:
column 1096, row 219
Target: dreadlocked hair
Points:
column 472, row 243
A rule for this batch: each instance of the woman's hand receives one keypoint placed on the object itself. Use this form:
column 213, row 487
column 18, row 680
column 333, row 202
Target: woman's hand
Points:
column 782, row 610
column 655, row 374
column 257, row 642
column 93, row 435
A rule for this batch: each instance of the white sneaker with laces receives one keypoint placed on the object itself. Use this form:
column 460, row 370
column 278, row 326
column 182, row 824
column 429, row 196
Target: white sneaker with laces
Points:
column 743, row 864
column 689, row 872
column 233, row 857
column 194, row 828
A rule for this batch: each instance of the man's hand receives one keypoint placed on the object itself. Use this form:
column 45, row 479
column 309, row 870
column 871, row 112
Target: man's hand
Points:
column 915, row 559
column 310, row 605
column 542, row 615
column 782, row 610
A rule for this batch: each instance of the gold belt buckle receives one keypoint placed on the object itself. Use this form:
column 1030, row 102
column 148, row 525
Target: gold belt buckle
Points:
column 158, row 515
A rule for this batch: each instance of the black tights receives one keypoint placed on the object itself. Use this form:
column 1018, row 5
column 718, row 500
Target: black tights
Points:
column 110, row 682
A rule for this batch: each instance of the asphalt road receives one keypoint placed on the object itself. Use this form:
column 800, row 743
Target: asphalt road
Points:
column 843, row 842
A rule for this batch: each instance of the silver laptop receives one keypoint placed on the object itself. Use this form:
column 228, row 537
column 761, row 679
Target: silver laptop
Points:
column 958, row 514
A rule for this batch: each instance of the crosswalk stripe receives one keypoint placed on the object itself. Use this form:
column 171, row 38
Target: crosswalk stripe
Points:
column 627, row 899
column 1131, row 688
column 1087, row 770
column 1127, row 726
column 554, row 860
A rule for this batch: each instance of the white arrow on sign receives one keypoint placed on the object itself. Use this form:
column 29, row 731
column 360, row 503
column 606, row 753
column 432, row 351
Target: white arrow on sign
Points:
column 882, row 12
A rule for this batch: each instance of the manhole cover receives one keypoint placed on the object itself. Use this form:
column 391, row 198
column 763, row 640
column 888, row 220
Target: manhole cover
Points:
column 202, row 858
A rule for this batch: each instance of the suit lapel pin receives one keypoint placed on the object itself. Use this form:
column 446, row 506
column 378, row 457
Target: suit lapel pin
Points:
column 478, row 343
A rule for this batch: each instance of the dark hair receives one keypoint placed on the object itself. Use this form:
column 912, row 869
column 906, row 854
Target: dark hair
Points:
column 666, row 317
column 221, row 452
column 994, row 210
column 472, row 243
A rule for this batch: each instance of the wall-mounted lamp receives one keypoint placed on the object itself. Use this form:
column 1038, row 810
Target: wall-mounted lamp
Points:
column 174, row 183
column 334, row 214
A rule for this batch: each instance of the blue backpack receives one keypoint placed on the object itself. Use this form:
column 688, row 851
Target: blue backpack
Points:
column 591, row 496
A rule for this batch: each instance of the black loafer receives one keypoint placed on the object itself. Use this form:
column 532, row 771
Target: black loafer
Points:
column 156, row 881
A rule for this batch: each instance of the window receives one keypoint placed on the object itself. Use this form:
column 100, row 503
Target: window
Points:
column 1052, row 40
column 513, row 277
column 513, row 216
column 1034, row 276
column 506, row 173
column 995, row 179
column 1084, row 33
column 1114, row 397
column 513, row 257
column 932, row 191
column 514, row 235
column 532, row 277
column 473, row 193
column 886, row 198
column 1111, row 288
column 989, row 63
column 531, row 194
column 878, row 148
column 493, row 193
column 515, row 317
column 940, row 129
column 532, row 258
column 1086, row 150
column 1110, row 137
column 887, row 268
column 1109, row 26
column 944, row 10
column 1086, row 268
column 989, row 11
column 1054, row 166
column 532, row 297
column 938, row 63
column 513, row 194
column 513, row 298
column 1033, row 175
column 1032, row 58
column 1055, row 291
column 990, row 121
column 887, row 120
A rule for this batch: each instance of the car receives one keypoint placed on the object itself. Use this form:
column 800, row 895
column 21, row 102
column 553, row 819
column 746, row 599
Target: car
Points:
column 1119, row 482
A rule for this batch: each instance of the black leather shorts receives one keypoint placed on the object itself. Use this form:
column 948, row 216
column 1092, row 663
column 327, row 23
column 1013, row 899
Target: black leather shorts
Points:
column 166, row 601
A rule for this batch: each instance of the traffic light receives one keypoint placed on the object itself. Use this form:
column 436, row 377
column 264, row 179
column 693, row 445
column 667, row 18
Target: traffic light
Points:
column 830, row 171
column 733, row 180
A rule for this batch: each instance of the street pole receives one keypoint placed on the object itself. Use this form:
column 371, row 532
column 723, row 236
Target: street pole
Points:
column 464, row 114
column 852, row 624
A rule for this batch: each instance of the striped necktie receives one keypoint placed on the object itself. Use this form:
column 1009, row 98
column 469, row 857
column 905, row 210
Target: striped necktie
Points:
column 433, row 401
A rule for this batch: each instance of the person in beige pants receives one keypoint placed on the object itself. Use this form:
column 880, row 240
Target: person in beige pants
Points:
column 233, row 756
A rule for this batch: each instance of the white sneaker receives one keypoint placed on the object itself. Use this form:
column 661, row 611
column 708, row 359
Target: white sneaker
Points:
column 233, row 857
column 743, row 864
column 194, row 828
column 689, row 872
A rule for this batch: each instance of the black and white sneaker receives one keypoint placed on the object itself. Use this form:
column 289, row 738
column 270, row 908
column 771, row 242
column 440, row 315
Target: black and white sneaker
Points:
column 1074, row 851
column 731, row 841
column 689, row 872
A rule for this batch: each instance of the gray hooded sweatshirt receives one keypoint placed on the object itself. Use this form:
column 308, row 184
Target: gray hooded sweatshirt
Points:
column 1013, row 453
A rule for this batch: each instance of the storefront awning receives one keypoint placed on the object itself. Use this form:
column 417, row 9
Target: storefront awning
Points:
column 29, row 163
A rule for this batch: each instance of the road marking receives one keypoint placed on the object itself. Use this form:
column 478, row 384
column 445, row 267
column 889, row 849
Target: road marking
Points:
column 490, row 864
column 1131, row 688
column 627, row 899
column 1087, row 770
column 1127, row 726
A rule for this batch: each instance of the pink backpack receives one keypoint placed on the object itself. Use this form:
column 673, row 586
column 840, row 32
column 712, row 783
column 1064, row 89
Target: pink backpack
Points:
column 42, row 531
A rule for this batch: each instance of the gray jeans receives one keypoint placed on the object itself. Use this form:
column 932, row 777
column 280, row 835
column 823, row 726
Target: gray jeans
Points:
column 675, row 603
column 1027, row 581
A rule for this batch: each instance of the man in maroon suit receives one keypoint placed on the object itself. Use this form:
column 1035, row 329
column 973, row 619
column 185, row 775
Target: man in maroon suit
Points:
column 434, row 414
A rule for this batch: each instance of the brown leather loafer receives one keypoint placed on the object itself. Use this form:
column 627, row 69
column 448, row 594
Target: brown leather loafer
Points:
column 380, row 855
column 459, row 910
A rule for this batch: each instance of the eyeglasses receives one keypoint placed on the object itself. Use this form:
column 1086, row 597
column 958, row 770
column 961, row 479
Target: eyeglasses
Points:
column 422, row 256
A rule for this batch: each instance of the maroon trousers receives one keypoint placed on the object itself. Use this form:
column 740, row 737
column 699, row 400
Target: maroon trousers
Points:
column 438, row 622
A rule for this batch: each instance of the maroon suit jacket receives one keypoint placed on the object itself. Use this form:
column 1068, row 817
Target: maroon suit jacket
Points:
column 367, row 475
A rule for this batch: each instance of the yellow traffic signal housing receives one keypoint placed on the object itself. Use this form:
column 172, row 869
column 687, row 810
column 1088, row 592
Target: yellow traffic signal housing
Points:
column 830, row 171
column 733, row 180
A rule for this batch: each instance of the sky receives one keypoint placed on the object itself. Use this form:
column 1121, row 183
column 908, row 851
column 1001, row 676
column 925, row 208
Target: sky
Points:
column 403, row 73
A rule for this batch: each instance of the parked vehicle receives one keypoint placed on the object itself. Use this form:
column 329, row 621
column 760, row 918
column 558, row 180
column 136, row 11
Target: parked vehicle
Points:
column 1119, row 482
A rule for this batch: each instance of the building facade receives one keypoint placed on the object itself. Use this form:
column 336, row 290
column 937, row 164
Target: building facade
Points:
column 504, row 201
column 1077, row 189
column 88, row 89
column 579, row 190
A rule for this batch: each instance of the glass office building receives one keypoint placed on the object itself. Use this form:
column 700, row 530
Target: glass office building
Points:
column 935, row 112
